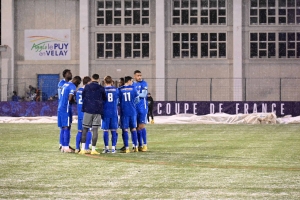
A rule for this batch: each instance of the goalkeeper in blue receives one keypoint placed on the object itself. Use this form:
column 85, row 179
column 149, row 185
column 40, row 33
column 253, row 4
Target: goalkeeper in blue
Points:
column 110, row 115
column 63, row 115
column 128, row 97
column 85, row 81
column 141, row 109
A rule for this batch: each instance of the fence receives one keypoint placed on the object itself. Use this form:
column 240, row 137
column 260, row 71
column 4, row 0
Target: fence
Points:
column 189, row 89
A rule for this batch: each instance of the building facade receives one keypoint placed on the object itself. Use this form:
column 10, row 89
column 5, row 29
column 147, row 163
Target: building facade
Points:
column 219, row 50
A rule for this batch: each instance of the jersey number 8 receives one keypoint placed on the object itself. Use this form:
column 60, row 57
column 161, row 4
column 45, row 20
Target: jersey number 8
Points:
column 110, row 97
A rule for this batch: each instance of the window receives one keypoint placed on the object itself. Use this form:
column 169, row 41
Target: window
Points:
column 262, row 45
column 136, row 12
column 109, row 12
column 289, row 45
column 195, row 45
column 120, row 12
column 195, row 12
column 267, row 45
column 272, row 12
column 109, row 45
column 135, row 45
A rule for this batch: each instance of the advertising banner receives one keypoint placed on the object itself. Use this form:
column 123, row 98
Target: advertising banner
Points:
column 228, row 107
column 163, row 108
column 47, row 44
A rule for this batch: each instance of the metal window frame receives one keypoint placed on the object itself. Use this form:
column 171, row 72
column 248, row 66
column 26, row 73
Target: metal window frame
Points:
column 198, row 8
column 199, row 42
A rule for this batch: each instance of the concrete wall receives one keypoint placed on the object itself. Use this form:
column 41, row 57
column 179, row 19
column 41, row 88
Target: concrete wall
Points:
column 269, row 71
column 44, row 14
column 123, row 67
column 191, row 69
column 198, row 79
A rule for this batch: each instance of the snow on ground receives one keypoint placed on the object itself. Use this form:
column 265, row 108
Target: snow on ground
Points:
column 220, row 118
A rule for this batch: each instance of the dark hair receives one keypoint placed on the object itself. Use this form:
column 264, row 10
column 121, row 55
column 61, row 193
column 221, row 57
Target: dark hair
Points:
column 127, row 78
column 77, row 78
column 137, row 71
column 14, row 92
column 85, row 80
column 122, row 79
column 95, row 76
column 108, row 80
column 65, row 72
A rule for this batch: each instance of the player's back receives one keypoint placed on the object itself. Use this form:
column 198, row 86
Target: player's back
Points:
column 79, row 102
column 111, row 102
column 59, row 87
column 127, row 100
column 67, row 88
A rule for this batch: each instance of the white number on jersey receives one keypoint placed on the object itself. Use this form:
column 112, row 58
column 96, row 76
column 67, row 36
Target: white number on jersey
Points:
column 125, row 96
column 80, row 99
column 110, row 97
column 62, row 92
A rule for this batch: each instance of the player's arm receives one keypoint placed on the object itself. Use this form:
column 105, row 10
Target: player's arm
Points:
column 71, row 94
column 137, row 97
column 144, row 92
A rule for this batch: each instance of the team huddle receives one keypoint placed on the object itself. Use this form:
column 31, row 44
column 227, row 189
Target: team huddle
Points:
column 125, row 107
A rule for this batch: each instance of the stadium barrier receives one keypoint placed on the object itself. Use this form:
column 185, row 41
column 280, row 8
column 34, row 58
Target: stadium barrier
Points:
column 164, row 108
column 179, row 89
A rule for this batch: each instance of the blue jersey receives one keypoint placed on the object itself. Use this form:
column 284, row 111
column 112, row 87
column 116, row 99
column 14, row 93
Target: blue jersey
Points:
column 63, row 103
column 79, row 102
column 59, row 87
column 127, row 97
column 142, row 88
column 111, row 102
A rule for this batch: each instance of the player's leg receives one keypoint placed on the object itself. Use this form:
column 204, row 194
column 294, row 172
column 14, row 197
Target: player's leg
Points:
column 61, row 131
column 139, row 134
column 66, row 135
column 95, row 126
column 142, row 117
column 113, row 127
column 125, row 125
column 78, row 136
column 148, row 114
column 132, row 125
column 86, row 124
column 88, row 141
column 151, row 114
column 105, row 127
column 70, row 125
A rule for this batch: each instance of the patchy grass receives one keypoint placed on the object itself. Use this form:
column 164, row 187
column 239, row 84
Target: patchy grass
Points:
column 183, row 162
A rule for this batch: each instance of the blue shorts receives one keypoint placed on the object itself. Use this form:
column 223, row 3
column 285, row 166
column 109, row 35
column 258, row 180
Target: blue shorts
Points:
column 63, row 119
column 142, row 117
column 79, row 126
column 128, row 122
column 109, row 123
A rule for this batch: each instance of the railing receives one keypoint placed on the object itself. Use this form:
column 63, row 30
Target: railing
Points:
column 190, row 89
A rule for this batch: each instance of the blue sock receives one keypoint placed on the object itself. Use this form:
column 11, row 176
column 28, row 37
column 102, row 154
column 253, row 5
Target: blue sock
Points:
column 88, row 139
column 70, row 134
column 61, row 136
column 114, row 138
column 66, row 137
column 144, row 135
column 126, row 138
column 105, row 138
column 123, row 137
column 134, row 138
column 139, row 136
column 78, row 139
